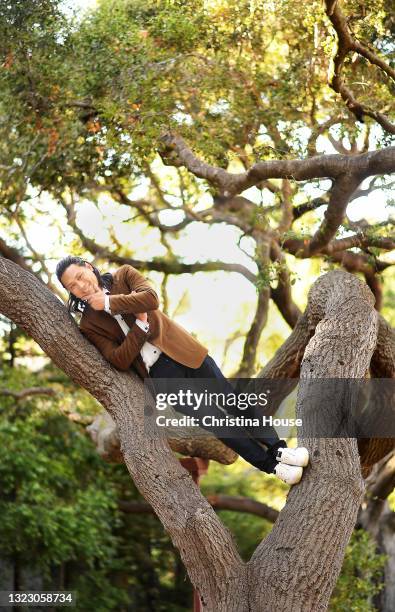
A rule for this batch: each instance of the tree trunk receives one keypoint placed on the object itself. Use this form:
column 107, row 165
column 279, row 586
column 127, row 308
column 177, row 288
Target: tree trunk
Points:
column 296, row 566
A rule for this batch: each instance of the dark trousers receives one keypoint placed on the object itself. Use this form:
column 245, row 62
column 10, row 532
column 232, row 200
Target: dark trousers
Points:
column 260, row 453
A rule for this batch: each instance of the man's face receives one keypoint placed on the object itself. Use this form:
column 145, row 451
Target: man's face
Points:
column 80, row 280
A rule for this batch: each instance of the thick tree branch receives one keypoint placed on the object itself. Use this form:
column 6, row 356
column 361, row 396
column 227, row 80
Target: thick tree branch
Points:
column 218, row 502
column 300, row 248
column 320, row 166
column 20, row 395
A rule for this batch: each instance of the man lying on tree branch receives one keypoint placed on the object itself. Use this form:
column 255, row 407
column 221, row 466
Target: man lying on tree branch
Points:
column 121, row 317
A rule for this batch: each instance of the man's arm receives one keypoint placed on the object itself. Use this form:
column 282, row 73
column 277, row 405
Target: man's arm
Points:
column 122, row 355
column 143, row 300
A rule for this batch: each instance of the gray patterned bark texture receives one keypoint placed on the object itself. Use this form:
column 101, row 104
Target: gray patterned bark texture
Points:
column 296, row 566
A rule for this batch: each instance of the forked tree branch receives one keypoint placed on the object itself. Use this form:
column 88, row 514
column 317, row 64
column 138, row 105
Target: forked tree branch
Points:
column 320, row 166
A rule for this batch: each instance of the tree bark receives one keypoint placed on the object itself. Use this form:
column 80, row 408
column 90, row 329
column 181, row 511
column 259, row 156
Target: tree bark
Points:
column 296, row 566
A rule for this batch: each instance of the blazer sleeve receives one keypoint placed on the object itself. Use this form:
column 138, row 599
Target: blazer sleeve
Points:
column 144, row 300
column 122, row 355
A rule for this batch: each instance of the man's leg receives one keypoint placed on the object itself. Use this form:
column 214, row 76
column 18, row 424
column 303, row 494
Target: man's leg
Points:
column 270, row 443
column 248, row 448
column 292, row 460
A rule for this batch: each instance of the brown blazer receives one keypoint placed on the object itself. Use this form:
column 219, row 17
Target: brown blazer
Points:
column 123, row 351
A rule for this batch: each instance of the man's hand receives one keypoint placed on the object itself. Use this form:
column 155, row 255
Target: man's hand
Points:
column 95, row 300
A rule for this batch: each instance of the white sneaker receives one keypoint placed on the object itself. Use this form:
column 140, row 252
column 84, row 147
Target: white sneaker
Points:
column 291, row 474
column 293, row 456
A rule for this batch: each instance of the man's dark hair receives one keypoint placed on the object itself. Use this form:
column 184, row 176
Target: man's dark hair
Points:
column 104, row 280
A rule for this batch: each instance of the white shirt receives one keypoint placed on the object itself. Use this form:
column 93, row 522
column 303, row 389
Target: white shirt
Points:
column 149, row 352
